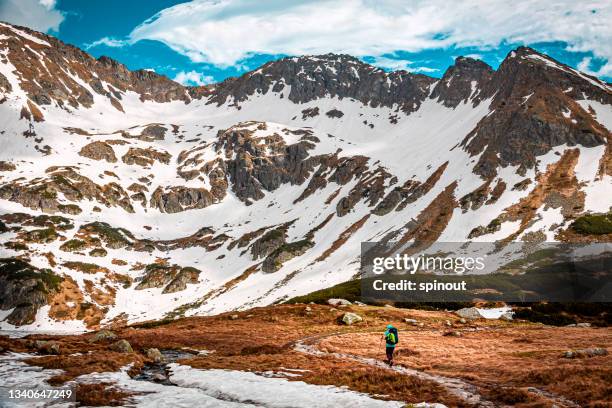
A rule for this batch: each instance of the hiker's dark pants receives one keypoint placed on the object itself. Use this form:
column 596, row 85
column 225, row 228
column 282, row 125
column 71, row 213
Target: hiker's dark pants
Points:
column 390, row 351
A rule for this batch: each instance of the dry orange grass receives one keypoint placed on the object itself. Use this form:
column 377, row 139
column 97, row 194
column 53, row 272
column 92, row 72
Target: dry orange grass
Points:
column 501, row 359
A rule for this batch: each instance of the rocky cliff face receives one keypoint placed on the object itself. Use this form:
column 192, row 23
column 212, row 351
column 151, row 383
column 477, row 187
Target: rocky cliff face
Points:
column 262, row 187
column 305, row 79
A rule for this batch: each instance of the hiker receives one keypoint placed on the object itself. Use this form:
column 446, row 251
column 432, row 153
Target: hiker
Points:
column 391, row 339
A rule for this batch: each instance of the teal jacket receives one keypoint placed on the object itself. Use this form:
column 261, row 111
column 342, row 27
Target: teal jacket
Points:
column 387, row 344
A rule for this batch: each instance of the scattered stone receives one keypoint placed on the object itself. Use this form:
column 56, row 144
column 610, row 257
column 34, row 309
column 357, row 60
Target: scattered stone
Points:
column 358, row 303
column 351, row 318
column 448, row 323
column 388, row 305
column 103, row 335
column 308, row 309
column 155, row 355
column 98, row 252
column 337, row 302
column 453, row 333
column 249, row 316
column 421, row 324
column 333, row 309
column 583, row 324
column 233, row 317
column 588, row 352
column 506, row 316
column 122, row 346
column 469, row 313
column 411, row 321
column 462, row 320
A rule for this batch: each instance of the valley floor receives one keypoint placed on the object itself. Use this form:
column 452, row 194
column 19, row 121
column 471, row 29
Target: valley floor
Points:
column 301, row 356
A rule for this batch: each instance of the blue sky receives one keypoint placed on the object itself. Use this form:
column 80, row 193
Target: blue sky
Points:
column 203, row 41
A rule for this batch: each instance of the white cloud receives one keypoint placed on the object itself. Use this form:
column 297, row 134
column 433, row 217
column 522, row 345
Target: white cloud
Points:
column 604, row 71
column 39, row 15
column 395, row 64
column 193, row 78
column 224, row 32
column 108, row 41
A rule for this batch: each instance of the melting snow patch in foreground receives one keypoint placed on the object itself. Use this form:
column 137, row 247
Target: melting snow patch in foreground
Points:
column 225, row 388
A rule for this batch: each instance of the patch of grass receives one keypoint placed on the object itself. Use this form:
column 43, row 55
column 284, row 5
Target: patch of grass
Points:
column 84, row 267
column 113, row 237
column 15, row 269
column 593, row 224
column 41, row 235
column 102, row 394
column 73, row 245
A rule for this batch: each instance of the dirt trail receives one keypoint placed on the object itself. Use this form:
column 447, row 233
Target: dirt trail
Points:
column 455, row 386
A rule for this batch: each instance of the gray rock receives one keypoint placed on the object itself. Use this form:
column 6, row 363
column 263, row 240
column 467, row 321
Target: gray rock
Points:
column 122, row 346
column 155, row 355
column 463, row 320
column 337, row 302
column 351, row 318
column 469, row 313
column 103, row 335
column 308, row 309
column 506, row 316
column 47, row 347
column 583, row 325
column 410, row 321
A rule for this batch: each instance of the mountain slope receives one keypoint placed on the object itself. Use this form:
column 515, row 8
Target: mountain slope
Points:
column 147, row 199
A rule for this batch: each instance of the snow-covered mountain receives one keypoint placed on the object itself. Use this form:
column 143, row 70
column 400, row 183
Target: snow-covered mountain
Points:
column 125, row 196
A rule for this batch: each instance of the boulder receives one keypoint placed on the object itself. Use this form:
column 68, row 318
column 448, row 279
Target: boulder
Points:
column 506, row 316
column 338, row 302
column 469, row 313
column 47, row 347
column 155, row 355
column 351, row 318
column 122, row 346
column 103, row 335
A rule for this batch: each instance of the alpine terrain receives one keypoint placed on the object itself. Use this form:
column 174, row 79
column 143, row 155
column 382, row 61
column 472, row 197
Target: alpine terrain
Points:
column 127, row 197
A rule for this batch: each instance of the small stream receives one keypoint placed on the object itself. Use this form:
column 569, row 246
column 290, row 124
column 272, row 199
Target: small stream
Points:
column 159, row 372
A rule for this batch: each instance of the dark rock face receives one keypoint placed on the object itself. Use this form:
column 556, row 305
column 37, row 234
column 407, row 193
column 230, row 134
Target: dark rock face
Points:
column 172, row 278
column 530, row 93
column 253, row 169
column 341, row 76
column 178, row 198
column 49, row 80
column 284, row 253
column 334, row 113
column 461, row 81
column 25, row 289
column 269, row 242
